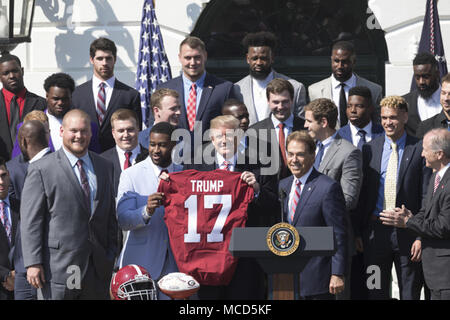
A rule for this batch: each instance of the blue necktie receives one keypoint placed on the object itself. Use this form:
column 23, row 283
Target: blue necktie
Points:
column 319, row 155
column 362, row 140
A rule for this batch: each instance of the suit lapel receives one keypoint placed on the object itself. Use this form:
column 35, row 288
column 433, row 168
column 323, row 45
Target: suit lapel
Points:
column 247, row 95
column 346, row 133
column 101, row 185
column 307, row 191
column 326, row 90
column 179, row 87
column 287, row 190
column 332, row 149
column 432, row 198
column 208, row 88
column 71, row 177
column 408, row 153
column 111, row 107
column 15, row 209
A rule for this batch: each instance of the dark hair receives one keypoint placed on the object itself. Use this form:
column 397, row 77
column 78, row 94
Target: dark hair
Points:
column 260, row 39
column 3, row 162
column 278, row 86
column 345, row 46
column 425, row 58
column 362, row 92
column 103, row 44
column 35, row 131
column 10, row 57
column 163, row 128
column 233, row 102
column 60, row 80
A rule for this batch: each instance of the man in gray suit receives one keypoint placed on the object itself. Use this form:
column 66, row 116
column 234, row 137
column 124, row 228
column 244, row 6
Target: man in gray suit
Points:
column 338, row 159
column 68, row 223
column 337, row 86
column 252, row 89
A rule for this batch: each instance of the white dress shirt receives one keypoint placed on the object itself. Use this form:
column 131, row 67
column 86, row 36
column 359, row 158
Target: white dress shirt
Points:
column 356, row 137
column 39, row 155
column 122, row 158
column 336, row 90
column 430, row 107
column 260, row 97
column 294, row 186
column 109, row 87
column 55, row 128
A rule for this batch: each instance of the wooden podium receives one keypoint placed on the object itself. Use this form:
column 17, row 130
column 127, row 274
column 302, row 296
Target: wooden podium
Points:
column 251, row 243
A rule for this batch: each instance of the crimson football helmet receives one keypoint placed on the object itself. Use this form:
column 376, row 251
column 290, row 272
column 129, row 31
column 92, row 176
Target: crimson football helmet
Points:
column 133, row 282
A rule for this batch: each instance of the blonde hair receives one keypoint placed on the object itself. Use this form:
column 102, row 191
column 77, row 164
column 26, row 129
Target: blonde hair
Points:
column 225, row 121
column 36, row 115
column 394, row 102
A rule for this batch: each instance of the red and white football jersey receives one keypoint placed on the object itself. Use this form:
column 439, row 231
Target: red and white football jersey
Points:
column 201, row 210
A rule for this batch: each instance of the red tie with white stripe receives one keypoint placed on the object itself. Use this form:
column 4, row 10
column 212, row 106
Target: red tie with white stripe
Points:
column 295, row 201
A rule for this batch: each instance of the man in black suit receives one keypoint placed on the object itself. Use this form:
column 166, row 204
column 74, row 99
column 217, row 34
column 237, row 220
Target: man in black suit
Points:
column 9, row 217
column 432, row 222
column 201, row 94
column 127, row 151
column 393, row 175
column 15, row 102
column 423, row 103
column 33, row 141
column 221, row 153
column 270, row 151
column 103, row 94
column 442, row 119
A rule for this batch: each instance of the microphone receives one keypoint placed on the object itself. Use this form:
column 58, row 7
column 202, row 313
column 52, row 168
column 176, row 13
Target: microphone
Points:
column 282, row 196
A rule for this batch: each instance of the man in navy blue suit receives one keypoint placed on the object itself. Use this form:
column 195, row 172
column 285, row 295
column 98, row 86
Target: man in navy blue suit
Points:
column 201, row 94
column 394, row 174
column 314, row 199
column 104, row 94
column 360, row 129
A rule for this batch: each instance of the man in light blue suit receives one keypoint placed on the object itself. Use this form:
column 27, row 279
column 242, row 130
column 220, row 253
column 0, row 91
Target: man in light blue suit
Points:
column 139, row 210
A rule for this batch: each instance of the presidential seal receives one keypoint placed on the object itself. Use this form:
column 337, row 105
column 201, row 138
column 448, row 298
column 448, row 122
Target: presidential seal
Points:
column 283, row 239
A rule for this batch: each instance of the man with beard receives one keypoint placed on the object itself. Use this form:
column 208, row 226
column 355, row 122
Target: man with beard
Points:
column 442, row 119
column 252, row 89
column 423, row 103
column 337, row 86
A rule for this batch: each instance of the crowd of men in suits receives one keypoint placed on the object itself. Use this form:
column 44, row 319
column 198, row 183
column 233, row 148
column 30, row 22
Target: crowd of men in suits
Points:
column 78, row 196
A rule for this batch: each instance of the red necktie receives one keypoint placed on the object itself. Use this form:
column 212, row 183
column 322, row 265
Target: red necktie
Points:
column 192, row 102
column 295, row 200
column 437, row 180
column 127, row 162
column 101, row 103
column 282, row 142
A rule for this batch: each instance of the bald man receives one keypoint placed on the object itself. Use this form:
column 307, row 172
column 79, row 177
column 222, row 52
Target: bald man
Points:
column 68, row 218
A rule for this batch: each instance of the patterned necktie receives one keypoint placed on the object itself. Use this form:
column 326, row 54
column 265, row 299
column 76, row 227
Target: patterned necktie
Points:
column 14, row 116
column 192, row 102
column 282, row 142
column 84, row 184
column 343, row 106
column 101, row 103
column 295, row 200
column 226, row 165
column 319, row 155
column 390, row 184
column 362, row 139
column 5, row 221
column 127, row 162
column 437, row 180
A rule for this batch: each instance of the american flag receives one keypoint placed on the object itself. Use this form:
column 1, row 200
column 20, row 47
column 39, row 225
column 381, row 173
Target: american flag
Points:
column 431, row 38
column 153, row 65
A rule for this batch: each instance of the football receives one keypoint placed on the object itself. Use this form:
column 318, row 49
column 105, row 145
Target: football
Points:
column 178, row 285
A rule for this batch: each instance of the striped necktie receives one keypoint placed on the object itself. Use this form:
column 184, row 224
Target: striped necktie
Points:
column 437, row 181
column 295, row 201
column 84, row 184
column 101, row 103
column 5, row 221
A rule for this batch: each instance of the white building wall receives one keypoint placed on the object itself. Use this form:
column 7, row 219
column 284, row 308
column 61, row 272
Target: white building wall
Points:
column 402, row 20
column 63, row 30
